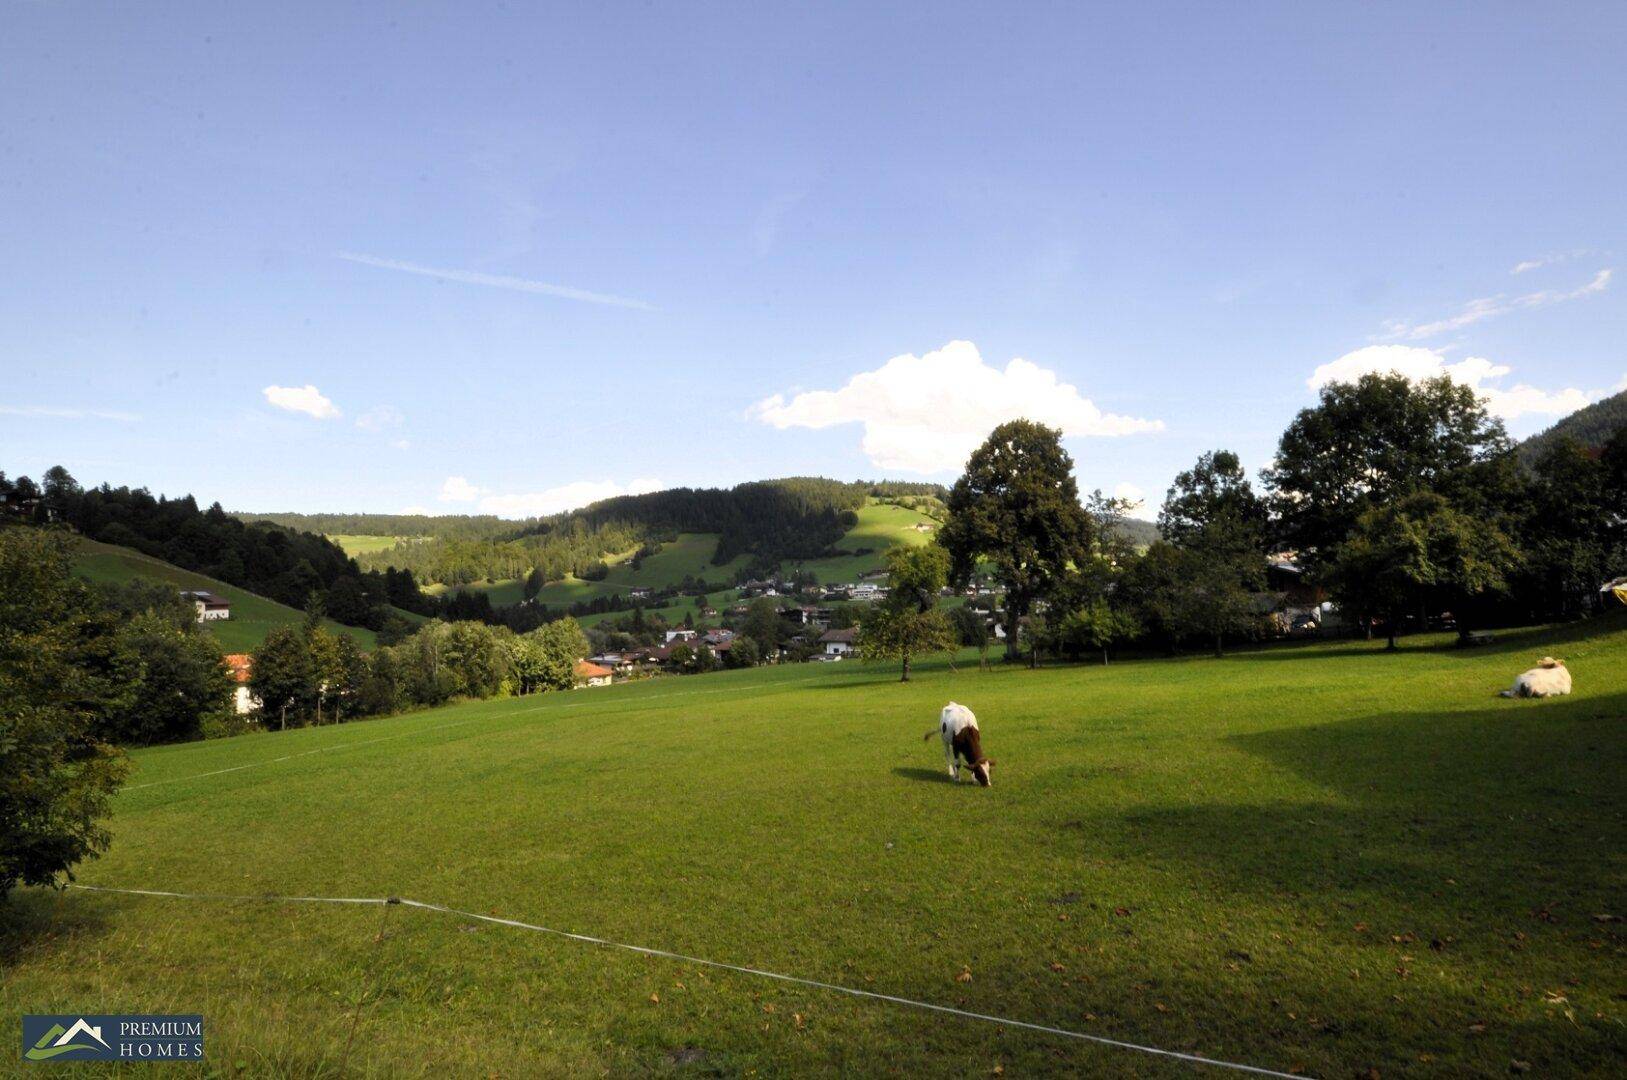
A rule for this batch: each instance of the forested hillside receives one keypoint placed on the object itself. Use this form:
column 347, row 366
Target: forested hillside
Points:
column 767, row 521
column 1592, row 427
column 282, row 564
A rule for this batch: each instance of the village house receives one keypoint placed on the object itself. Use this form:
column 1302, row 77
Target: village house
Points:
column 639, row 592
column 682, row 635
column 241, row 667
column 209, row 606
column 838, row 642
column 588, row 674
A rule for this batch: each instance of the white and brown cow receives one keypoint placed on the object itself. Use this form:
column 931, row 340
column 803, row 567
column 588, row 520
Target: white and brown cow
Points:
column 961, row 740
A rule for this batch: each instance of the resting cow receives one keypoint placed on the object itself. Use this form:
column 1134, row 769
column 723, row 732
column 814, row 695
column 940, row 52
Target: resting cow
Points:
column 1549, row 678
column 961, row 739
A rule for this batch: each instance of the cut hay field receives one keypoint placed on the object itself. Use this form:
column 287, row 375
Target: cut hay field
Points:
column 880, row 526
column 253, row 616
column 1321, row 858
column 354, row 545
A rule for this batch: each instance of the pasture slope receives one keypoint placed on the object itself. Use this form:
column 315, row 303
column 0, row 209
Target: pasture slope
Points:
column 253, row 616
column 880, row 526
column 1319, row 857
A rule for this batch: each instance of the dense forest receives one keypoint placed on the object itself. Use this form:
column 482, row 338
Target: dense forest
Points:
column 284, row 564
column 1591, row 428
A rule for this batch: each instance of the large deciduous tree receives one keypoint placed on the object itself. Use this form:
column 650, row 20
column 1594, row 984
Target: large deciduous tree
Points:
column 1213, row 516
column 1369, row 442
column 1017, row 506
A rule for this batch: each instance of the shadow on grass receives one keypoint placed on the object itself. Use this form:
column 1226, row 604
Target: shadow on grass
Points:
column 35, row 918
column 1505, row 810
column 925, row 776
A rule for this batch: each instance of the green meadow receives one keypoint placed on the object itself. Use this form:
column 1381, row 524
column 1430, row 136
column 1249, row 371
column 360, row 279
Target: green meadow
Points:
column 1320, row 858
column 354, row 545
column 880, row 526
column 253, row 616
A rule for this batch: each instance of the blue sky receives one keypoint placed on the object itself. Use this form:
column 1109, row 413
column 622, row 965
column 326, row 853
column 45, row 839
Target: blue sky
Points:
column 473, row 257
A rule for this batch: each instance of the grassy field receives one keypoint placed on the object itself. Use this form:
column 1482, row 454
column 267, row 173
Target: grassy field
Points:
column 253, row 616
column 1317, row 857
column 881, row 525
column 364, row 545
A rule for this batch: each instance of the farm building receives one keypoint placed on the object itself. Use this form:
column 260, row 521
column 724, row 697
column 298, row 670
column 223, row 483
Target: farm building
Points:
column 209, row 606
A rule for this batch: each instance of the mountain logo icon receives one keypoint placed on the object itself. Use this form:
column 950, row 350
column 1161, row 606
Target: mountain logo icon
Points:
column 59, row 1040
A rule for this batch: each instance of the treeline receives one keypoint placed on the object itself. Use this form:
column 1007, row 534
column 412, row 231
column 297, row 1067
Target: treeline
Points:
column 306, row 675
column 568, row 548
column 440, row 526
column 280, row 563
column 1402, row 503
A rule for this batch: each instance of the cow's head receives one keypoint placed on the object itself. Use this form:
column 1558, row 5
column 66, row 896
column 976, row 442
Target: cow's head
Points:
column 983, row 771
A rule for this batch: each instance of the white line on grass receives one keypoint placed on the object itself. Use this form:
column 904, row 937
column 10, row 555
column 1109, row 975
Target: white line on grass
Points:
column 646, row 951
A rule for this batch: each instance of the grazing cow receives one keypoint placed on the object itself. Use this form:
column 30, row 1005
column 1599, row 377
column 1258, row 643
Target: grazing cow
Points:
column 1547, row 679
column 958, row 727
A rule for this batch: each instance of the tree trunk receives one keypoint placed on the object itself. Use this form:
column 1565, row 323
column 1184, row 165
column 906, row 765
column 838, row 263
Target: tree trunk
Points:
column 1219, row 651
column 905, row 677
column 1013, row 618
column 1104, row 656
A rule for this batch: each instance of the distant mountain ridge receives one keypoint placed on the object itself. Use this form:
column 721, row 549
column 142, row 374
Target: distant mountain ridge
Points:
column 1592, row 426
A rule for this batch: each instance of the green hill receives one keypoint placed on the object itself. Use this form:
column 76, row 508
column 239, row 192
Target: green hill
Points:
column 1323, row 859
column 880, row 525
column 252, row 618
column 1592, row 426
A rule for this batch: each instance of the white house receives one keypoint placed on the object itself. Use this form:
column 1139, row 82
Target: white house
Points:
column 838, row 642
column 589, row 674
column 681, row 635
column 209, row 606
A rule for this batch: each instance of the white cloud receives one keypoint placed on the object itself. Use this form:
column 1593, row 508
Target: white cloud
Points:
column 1540, row 261
column 557, row 500
column 1138, row 502
column 496, row 281
column 1488, row 307
column 380, row 417
column 305, row 399
column 56, row 413
column 458, row 489
column 1418, row 363
column 401, row 444
column 926, row 414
